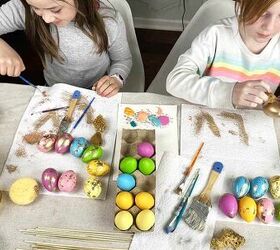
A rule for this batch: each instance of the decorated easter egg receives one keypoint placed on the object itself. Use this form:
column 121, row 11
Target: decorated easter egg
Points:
column 123, row 220
column 124, row 200
column 24, row 191
column 92, row 153
column 265, row 210
column 63, row 143
column 145, row 220
column 277, row 211
column 274, row 186
column 49, row 179
column 92, row 187
column 146, row 166
column 126, row 182
column 78, row 146
column 98, row 168
column 240, row 186
column 144, row 200
column 67, row 181
column 145, row 149
column 258, row 187
column 47, row 143
column 228, row 205
column 247, row 208
column 128, row 165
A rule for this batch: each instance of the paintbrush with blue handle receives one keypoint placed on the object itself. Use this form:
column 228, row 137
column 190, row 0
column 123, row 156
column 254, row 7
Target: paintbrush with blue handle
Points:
column 32, row 85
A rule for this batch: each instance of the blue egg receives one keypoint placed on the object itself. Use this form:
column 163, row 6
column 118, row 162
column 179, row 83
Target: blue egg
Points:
column 259, row 187
column 126, row 182
column 78, row 146
column 240, row 187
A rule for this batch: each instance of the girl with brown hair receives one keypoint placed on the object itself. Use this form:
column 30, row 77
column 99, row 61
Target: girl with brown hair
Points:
column 80, row 42
column 233, row 63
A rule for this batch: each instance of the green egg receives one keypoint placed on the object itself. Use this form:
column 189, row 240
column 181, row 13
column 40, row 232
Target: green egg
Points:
column 92, row 153
column 146, row 166
column 128, row 165
column 277, row 211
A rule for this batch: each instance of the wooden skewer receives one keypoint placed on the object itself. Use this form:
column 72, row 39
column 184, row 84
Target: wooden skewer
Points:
column 188, row 170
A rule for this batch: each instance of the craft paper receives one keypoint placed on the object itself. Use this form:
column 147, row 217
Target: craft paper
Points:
column 26, row 160
column 161, row 118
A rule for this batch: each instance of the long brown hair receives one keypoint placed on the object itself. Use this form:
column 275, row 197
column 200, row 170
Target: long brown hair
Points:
column 87, row 19
column 249, row 11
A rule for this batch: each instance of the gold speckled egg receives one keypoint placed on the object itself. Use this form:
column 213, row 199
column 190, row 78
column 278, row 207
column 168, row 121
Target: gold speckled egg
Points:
column 274, row 186
column 24, row 191
column 98, row 168
column 92, row 187
column 123, row 220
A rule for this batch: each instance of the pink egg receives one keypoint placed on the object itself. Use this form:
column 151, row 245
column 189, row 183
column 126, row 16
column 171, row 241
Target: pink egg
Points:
column 164, row 120
column 265, row 210
column 47, row 143
column 63, row 143
column 49, row 179
column 145, row 149
column 67, row 181
column 228, row 205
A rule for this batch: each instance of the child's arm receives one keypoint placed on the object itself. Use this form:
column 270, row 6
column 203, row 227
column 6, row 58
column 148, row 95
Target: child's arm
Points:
column 187, row 80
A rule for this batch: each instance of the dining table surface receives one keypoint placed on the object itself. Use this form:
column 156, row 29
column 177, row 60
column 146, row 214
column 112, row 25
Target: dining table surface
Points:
column 49, row 211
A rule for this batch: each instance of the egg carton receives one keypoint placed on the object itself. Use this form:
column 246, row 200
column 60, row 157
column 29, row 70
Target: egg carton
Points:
column 144, row 183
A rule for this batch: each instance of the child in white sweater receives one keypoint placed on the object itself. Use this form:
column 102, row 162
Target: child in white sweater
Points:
column 233, row 63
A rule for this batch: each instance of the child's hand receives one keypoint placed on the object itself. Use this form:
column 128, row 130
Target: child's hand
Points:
column 107, row 86
column 11, row 63
column 250, row 93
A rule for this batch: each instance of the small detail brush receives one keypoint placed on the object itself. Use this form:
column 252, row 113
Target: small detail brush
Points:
column 32, row 85
column 49, row 110
column 188, row 170
column 199, row 208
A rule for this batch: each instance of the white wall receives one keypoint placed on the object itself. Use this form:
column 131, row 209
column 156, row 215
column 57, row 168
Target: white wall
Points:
column 162, row 14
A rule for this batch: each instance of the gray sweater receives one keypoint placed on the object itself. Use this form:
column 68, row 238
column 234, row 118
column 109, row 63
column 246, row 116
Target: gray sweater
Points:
column 82, row 65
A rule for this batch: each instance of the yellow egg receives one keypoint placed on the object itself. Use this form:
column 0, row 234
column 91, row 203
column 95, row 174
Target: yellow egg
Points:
column 92, row 187
column 144, row 200
column 98, row 168
column 123, row 220
column 247, row 208
column 24, row 191
column 145, row 220
column 124, row 200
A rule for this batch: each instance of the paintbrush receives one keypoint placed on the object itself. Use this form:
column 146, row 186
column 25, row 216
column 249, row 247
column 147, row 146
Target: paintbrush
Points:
column 32, row 85
column 198, row 211
column 188, row 170
column 49, row 110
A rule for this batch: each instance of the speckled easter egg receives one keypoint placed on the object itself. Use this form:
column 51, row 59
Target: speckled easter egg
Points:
column 98, row 168
column 123, row 220
column 144, row 200
column 124, row 200
column 67, row 181
column 63, row 143
column 274, row 186
column 146, row 166
column 92, row 153
column 78, row 146
column 277, row 211
column 265, row 210
column 240, row 186
column 47, row 142
column 228, row 205
column 247, row 208
column 126, row 182
column 128, row 165
column 259, row 187
column 145, row 220
column 93, row 187
column 145, row 149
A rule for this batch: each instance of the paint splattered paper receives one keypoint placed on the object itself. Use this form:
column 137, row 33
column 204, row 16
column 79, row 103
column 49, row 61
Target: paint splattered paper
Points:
column 25, row 159
column 161, row 118
column 232, row 134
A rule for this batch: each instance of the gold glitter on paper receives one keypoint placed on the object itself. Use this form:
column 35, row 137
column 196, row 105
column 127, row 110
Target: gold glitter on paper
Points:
column 201, row 118
column 20, row 152
column 46, row 117
column 32, row 138
column 11, row 168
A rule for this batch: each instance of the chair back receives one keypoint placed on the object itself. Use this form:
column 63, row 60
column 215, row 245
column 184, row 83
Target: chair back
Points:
column 209, row 12
column 136, row 79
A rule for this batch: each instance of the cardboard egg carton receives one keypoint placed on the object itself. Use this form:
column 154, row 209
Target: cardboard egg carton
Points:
column 144, row 183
